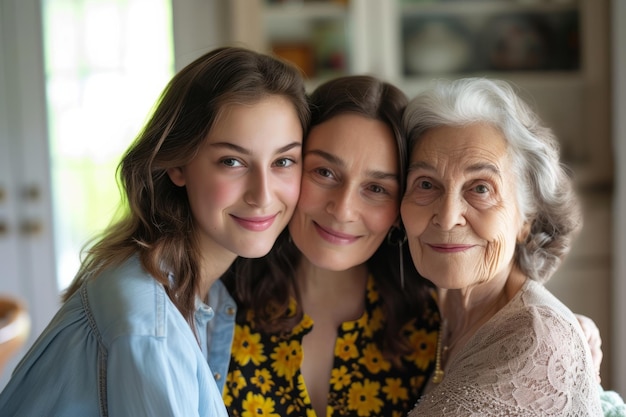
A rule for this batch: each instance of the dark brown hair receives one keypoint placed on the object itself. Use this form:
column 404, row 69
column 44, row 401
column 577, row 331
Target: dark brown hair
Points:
column 266, row 285
column 156, row 222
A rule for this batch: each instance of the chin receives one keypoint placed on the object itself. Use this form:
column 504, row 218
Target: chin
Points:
column 254, row 251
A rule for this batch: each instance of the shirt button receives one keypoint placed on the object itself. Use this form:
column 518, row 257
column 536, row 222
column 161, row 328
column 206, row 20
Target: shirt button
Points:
column 217, row 376
column 230, row 311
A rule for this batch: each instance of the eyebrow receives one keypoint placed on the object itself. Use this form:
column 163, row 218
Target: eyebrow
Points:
column 478, row 167
column 245, row 151
column 381, row 175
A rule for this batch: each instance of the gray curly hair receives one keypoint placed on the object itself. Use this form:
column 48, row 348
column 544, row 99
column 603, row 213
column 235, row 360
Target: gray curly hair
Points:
column 546, row 197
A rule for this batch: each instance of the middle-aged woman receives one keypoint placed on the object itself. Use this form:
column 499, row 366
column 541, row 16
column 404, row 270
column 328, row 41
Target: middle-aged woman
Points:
column 490, row 213
column 326, row 324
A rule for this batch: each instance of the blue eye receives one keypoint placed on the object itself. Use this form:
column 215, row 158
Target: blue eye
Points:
column 481, row 189
column 426, row 185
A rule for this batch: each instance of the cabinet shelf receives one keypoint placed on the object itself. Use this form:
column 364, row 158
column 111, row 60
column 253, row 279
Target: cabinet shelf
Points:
column 567, row 78
column 470, row 8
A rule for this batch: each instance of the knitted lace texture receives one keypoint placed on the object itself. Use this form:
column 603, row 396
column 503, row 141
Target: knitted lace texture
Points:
column 530, row 359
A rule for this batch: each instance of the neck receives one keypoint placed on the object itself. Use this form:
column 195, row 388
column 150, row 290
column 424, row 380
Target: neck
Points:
column 466, row 310
column 211, row 268
column 337, row 296
column 311, row 278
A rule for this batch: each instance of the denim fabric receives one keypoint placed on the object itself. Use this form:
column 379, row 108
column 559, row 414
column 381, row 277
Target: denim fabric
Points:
column 118, row 347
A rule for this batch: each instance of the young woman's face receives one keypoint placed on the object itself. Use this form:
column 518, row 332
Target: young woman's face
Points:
column 244, row 182
column 350, row 192
column 460, row 208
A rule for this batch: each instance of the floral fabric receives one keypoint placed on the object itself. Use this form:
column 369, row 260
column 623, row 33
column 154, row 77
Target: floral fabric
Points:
column 264, row 377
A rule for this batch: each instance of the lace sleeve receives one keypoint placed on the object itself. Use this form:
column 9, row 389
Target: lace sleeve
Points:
column 528, row 361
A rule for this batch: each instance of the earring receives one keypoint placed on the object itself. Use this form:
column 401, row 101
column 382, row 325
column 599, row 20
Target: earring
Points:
column 396, row 236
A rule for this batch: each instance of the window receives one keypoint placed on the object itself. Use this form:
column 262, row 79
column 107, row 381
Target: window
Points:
column 106, row 62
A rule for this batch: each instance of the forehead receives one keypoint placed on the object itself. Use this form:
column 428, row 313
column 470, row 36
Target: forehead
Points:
column 353, row 136
column 462, row 146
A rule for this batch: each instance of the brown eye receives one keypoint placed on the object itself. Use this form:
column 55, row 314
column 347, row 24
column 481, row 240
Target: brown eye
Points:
column 284, row 162
column 323, row 172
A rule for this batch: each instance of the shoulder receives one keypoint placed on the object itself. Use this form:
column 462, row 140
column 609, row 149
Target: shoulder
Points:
column 532, row 346
column 126, row 300
column 533, row 318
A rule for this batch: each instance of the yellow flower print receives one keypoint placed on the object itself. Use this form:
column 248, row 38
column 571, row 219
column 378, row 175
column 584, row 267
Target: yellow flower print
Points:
column 234, row 382
column 372, row 293
column 373, row 359
column 418, row 381
column 284, row 394
column 287, row 358
column 363, row 398
column 340, row 378
column 304, row 395
column 425, row 347
column 256, row 405
column 345, row 347
column 305, row 324
column 376, row 322
column 263, row 380
column 247, row 346
column 228, row 399
column 394, row 390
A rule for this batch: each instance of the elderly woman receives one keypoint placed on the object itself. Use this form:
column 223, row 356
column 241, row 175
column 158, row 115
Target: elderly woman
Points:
column 490, row 213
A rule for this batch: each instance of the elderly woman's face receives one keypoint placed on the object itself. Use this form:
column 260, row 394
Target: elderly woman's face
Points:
column 460, row 208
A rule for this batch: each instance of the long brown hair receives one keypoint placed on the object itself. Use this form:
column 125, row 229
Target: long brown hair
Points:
column 156, row 222
column 265, row 286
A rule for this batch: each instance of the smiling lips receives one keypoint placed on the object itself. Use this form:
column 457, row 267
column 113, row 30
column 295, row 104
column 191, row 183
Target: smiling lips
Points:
column 334, row 236
column 449, row 247
column 256, row 224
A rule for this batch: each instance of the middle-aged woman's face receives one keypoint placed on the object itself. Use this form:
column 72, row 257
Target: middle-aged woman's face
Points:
column 350, row 194
column 460, row 208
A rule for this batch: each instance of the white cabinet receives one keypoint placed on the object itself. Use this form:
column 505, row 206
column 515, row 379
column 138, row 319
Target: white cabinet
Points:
column 555, row 51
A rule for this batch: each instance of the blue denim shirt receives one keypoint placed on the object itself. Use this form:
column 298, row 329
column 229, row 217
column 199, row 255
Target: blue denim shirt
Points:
column 216, row 326
column 118, row 347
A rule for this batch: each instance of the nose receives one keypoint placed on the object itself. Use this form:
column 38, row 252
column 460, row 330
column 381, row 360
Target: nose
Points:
column 343, row 204
column 449, row 211
column 258, row 193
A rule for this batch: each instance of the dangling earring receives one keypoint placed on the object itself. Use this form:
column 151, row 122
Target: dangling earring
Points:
column 396, row 236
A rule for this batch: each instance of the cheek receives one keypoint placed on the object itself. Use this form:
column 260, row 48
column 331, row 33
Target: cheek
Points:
column 290, row 193
column 500, row 234
column 415, row 218
column 380, row 219
column 311, row 197
column 222, row 192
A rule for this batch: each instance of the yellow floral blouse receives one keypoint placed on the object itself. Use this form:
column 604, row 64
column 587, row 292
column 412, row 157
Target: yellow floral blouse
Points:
column 264, row 376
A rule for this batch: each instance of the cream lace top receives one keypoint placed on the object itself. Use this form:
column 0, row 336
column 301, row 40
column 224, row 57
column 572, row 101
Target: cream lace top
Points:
column 530, row 359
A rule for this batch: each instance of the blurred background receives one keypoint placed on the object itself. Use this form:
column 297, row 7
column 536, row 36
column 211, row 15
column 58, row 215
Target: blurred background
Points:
column 78, row 79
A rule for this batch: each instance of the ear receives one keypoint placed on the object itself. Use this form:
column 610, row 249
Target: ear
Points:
column 176, row 176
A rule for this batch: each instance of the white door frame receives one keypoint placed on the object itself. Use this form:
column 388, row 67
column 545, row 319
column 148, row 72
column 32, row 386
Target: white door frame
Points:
column 26, row 245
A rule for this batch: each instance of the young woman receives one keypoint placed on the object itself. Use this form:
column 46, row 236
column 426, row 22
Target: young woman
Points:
column 327, row 323
column 215, row 174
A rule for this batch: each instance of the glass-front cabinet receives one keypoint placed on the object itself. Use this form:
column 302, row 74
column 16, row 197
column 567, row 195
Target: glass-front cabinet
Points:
column 555, row 51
